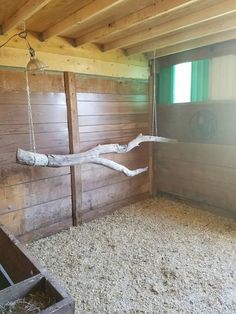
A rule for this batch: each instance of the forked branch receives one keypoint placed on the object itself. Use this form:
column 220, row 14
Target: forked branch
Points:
column 91, row 156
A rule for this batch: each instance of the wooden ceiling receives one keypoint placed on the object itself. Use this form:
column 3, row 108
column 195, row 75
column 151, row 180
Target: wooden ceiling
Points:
column 136, row 26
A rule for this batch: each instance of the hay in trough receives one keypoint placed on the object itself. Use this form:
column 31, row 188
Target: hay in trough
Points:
column 33, row 303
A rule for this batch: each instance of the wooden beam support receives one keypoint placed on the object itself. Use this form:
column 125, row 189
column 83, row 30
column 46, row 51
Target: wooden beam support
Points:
column 155, row 10
column 205, row 14
column 72, row 118
column 223, row 43
column 208, row 51
column 24, row 13
column 97, row 7
column 192, row 33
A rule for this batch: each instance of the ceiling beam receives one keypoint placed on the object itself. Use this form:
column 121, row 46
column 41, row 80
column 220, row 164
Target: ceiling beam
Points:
column 24, row 13
column 198, row 43
column 217, row 10
column 97, row 7
column 204, row 29
column 156, row 9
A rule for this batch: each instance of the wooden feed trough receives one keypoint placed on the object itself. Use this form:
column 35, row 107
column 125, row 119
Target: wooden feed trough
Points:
column 23, row 281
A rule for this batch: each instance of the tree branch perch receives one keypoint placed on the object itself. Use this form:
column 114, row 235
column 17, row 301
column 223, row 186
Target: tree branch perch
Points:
column 91, row 156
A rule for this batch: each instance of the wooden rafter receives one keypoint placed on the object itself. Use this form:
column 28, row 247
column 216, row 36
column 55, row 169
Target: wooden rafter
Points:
column 216, row 11
column 24, row 13
column 97, row 7
column 155, row 10
column 211, row 27
column 196, row 43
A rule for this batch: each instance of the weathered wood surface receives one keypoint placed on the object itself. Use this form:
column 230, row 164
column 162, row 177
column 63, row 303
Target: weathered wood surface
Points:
column 28, row 276
column 176, row 121
column 91, row 156
column 36, row 202
column 26, row 207
column 74, row 143
column 202, row 170
column 19, row 290
column 109, row 190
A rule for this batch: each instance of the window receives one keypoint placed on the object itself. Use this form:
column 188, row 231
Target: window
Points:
column 184, row 82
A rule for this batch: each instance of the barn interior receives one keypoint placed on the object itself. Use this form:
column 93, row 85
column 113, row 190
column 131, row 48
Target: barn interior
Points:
column 117, row 153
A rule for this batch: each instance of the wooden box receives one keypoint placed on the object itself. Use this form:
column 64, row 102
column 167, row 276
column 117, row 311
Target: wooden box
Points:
column 21, row 278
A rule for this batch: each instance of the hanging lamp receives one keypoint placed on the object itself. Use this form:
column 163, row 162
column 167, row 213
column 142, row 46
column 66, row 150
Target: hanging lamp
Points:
column 34, row 65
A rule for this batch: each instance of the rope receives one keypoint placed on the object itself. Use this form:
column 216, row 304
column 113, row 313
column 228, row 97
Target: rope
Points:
column 30, row 115
column 29, row 107
column 154, row 103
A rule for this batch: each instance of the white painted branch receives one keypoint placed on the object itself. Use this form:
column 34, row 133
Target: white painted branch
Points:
column 90, row 156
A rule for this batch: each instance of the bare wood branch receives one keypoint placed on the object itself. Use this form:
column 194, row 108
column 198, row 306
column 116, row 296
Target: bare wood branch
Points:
column 90, row 156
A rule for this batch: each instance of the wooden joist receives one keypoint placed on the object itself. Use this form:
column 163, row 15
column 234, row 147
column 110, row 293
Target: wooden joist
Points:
column 24, row 13
column 153, row 11
column 97, row 7
column 227, row 48
column 205, row 14
column 215, row 26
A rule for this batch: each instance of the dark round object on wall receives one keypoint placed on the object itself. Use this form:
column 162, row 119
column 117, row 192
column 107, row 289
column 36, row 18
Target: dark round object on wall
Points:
column 203, row 125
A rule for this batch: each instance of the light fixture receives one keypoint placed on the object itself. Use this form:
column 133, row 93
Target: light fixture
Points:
column 34, row 65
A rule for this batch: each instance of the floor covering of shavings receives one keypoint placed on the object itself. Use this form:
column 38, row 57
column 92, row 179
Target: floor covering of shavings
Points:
column 156, row 256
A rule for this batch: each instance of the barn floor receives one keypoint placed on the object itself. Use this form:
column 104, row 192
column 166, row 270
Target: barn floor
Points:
column 157, row 256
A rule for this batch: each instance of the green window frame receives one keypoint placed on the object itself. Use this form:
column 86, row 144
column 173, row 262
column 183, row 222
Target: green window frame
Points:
column 199, row 82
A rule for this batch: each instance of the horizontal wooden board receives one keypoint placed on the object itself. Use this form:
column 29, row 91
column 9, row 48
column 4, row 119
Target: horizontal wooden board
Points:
column 112, row 127
column 200, row 191
column 113, row 119
column 100, row 136
column 10, row 142
column 105, row 176
column 111, row 97
column 108, row 108
column 108, row 209
column 218, row 155
column 47, row 214
column 41, row 114
column 38, row 128
column 15, row 174
column 35, row 217
column 177, row 121
column 46, row 231
column 224, row 177
column 114, row 192
column 204, row 173
column 86, row 84
column 40, row 98
column 12, row 80
column 33, row 193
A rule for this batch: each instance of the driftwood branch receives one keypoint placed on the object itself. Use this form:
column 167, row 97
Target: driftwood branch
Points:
column 91, row 156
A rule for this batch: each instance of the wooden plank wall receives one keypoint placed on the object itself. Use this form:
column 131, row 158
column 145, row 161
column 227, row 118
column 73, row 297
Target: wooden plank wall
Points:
column 34, row 201
column 111, row 111
column 198, row 168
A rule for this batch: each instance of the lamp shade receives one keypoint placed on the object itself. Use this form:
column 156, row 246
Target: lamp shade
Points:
column 35, row 65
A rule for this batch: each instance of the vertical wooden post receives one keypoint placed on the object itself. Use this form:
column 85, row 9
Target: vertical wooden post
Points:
column 73, row 129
